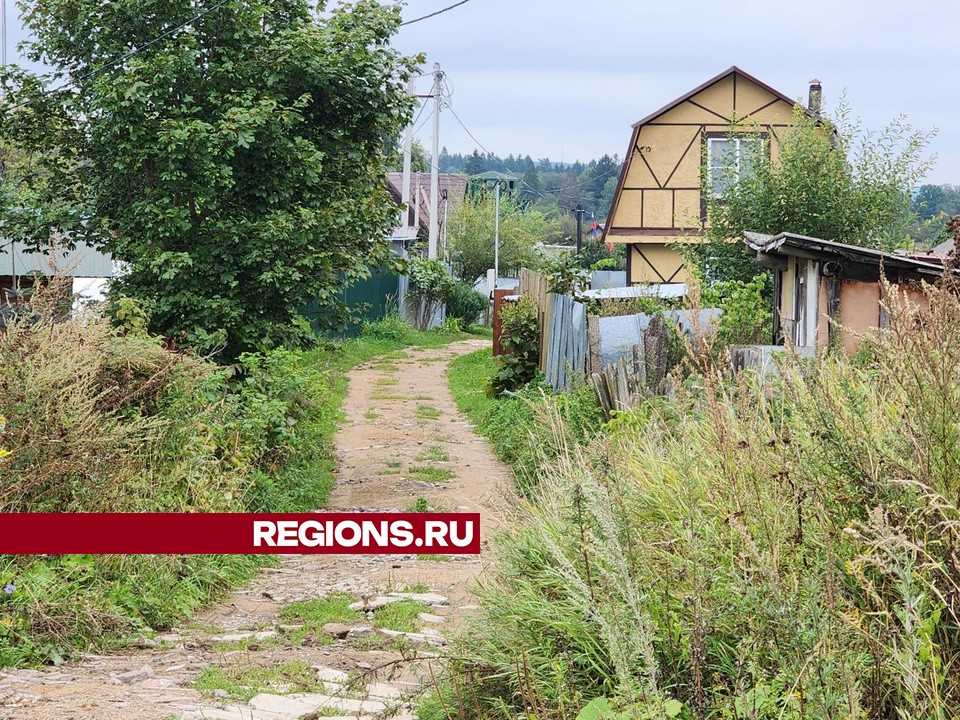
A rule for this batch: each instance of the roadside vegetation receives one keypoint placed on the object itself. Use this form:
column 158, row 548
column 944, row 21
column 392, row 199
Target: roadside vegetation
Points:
column 101, row 419
column 746, row 550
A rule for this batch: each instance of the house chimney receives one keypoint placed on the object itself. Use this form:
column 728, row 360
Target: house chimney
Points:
column 815, row 98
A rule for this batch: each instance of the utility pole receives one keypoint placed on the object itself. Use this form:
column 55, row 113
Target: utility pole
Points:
column 496, row 238
column 434, row 166
column 407, row 154
column 579, row 211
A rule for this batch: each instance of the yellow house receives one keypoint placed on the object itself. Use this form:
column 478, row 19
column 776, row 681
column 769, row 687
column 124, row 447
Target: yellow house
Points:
column 700, row 140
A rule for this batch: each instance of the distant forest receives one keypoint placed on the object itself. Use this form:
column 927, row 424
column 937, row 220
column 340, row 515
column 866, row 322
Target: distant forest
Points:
column 545, row 182
column 557, row 188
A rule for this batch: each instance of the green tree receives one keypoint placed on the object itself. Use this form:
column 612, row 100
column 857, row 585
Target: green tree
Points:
column 833, row 180
column 594, row 181
column 931, row 201
column 530, row 182
column 418, row 158
column 472, row 231
column 474, row 164
column 235, row 163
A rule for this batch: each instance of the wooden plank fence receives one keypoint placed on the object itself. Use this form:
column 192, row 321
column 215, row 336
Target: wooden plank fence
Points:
column 566, row 340
column 563, row 331
column 534, row 285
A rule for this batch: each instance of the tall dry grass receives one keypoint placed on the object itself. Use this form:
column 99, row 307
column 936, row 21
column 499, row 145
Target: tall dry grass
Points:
column 95, row 420
column 749, row 551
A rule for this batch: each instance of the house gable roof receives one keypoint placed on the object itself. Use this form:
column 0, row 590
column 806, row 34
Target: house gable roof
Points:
column 713, row 81
column 452, row 187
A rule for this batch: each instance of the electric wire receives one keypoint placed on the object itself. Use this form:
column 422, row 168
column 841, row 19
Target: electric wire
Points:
column 541, row 193
column 128, row 55
column 434, row 14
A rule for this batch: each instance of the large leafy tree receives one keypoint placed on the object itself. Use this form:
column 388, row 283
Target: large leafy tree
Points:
column 231, row 153
column 833, row 180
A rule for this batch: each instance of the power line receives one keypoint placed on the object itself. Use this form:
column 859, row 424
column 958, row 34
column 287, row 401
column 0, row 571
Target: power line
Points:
column 419, row 113
column 434, row 14
column 127, row 56
column 424, row 123
column 541, row 193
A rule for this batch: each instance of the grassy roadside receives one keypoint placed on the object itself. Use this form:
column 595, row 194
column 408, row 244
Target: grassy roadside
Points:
column 513, row 424
column 260, row 442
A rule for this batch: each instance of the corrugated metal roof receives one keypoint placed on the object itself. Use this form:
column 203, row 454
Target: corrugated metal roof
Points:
column 758, row 242
column 83, row 261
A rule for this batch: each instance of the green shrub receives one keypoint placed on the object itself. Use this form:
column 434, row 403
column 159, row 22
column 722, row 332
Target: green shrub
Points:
column 747, row 317
column 465, row 303
column 99, row 422
column 521, row 342
column 392, row 328
column 430, row 284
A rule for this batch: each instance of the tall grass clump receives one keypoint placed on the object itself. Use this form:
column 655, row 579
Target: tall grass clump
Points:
column 95, row 420
column 751, row 550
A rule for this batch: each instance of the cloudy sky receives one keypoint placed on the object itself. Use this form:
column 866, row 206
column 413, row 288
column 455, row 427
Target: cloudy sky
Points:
column 565, row 78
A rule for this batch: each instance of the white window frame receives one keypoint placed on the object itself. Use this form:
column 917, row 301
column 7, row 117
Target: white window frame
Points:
column 736, row 139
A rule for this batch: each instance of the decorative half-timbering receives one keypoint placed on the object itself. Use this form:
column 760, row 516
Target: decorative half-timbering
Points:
column 702, row 139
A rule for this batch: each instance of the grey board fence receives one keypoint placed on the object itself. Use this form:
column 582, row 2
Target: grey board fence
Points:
column 565, row 343
column 573, row 345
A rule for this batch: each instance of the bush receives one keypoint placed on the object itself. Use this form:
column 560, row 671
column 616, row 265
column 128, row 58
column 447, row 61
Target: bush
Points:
column 392, row 328
column 746, row 551
column 430, row 285
column 747, row 318
column 521, row 341
column 93, row 421
column 465, row 303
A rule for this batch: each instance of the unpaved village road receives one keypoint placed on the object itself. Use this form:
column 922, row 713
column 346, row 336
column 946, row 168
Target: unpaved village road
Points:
column 402, row 439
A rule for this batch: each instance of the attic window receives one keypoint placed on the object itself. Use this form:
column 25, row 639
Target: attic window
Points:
column 731, row 158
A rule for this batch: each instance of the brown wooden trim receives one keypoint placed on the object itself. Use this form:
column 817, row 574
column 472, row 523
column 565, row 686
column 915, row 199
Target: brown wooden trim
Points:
column 640, row 253
column 676, row 189
column 643, row 201
column 713, row 81
column 675, row 167
column 629, row 265
column 668, row 231
column 760, row 109
column 673, row 208
column 726, row 120
column 735, row 94
column 652, row 173
column 628, row 158
column 675, row 272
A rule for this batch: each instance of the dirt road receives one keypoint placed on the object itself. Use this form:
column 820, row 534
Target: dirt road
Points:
column 318, row 635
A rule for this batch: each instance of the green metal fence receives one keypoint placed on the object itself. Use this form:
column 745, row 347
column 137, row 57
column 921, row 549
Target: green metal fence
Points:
column 370, row 299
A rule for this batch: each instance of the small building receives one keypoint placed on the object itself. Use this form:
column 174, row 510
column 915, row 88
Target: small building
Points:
column 679, row 153
column 20, row 269
column 823, row 287
column 416, row 226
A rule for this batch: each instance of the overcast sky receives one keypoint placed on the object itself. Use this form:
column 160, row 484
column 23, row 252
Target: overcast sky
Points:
column 566, row 78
